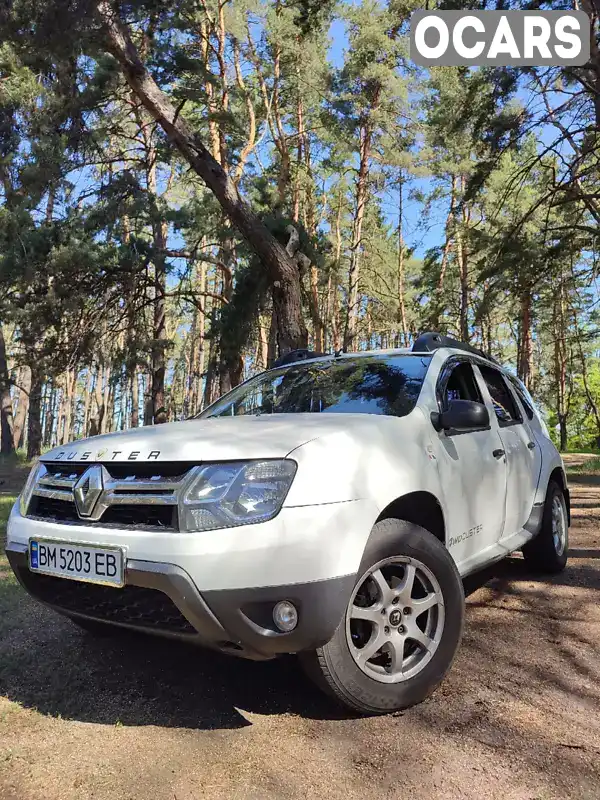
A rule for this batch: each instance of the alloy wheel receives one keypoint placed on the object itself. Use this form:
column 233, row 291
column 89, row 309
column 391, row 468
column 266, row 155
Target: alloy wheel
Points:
column 395, row 619
column 559, row 524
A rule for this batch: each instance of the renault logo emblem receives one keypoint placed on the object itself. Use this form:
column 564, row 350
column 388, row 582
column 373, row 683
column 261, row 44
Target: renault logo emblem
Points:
column 88, row 490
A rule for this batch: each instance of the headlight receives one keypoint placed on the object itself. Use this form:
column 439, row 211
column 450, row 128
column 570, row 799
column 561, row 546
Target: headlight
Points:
column 37, row 471
column 230, row 494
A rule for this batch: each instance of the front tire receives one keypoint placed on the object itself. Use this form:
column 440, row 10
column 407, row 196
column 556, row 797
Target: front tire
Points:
column 402, row 626
column 548, row 552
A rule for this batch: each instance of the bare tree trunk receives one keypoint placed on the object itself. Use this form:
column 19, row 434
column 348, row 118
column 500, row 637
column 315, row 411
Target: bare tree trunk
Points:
column 7, row 446
column 281, row 268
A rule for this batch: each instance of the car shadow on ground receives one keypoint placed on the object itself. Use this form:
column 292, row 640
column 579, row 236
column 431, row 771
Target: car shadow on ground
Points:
column 133, row 679
column 48, row 664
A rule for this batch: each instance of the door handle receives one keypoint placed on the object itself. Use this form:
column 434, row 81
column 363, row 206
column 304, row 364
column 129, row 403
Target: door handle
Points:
column 531, row 445
column 498, row 453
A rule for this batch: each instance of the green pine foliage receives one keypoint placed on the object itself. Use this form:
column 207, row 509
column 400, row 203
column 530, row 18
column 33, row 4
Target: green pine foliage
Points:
column 462, row 200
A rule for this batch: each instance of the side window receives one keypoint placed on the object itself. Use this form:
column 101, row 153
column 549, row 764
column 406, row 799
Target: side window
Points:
column 504, row 405
column 461, row 385
column 525, row 401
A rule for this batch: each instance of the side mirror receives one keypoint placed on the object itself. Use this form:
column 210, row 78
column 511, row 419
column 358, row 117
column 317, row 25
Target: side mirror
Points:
column 462, row 415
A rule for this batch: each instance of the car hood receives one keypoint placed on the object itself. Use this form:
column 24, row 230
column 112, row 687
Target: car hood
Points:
column 215, row 439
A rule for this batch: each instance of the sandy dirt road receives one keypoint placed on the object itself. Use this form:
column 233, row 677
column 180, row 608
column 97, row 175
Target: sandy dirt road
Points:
column 132, row 718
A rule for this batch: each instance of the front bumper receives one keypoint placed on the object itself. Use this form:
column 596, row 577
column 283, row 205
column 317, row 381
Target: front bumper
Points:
column 236, row 621
column 216, row 588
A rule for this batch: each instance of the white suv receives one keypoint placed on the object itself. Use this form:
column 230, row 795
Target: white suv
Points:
column 327, row 507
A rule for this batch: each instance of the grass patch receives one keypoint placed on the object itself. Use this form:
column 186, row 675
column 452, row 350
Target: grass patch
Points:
column 9, row 591
column 14, row 459
column 13, row 474
column 6, row 503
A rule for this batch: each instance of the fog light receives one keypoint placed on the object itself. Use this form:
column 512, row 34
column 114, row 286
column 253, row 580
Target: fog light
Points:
column 285, row 616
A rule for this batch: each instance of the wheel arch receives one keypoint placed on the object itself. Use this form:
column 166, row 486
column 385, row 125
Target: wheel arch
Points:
column 558, row 476
column 421, row 508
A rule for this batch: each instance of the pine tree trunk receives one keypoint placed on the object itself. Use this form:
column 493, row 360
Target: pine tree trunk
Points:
column 462, row 257
column 24, row 385
column 463, row 314
column 560, row 362
column 333, row 293
column 87, row 402
column 280, row 267
column 107, row 410
column 34, row 427
column 318, row 326
column 525, row 349
column 135, row 399
column 200, row 343
column 450, row 227
column 159, row 329
column 159, row 337
column 401, row 303
column 97, row 422
column 272, row 348
column 362, row 187
column 49, row 412
column 148, row 406
column 6, row 407
column 263, row 345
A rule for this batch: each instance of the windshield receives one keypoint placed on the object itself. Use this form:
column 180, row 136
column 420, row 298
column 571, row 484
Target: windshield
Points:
column 363, row 385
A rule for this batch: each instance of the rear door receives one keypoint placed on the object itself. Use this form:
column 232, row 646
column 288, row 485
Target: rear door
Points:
column 522, row 452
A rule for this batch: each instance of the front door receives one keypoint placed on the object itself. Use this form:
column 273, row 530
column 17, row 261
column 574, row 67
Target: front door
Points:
column 523, row 457
column 474, row 479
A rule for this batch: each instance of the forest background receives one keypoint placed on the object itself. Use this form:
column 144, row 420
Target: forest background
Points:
column 190, row 189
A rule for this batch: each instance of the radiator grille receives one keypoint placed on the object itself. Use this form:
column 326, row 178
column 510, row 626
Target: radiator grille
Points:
column 140, row 517
column 140, row 496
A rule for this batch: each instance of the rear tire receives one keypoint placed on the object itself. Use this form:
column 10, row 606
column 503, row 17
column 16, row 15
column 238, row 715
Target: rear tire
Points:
column 548, row 552
column 389, row 652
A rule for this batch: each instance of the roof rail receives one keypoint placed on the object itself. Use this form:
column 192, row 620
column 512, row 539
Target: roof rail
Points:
column 296, row 355
column 429, row 342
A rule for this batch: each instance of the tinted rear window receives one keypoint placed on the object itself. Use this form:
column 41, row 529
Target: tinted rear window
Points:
column 386, row 385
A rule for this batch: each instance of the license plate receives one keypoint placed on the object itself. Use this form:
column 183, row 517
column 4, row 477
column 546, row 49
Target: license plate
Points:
column 80, row 562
